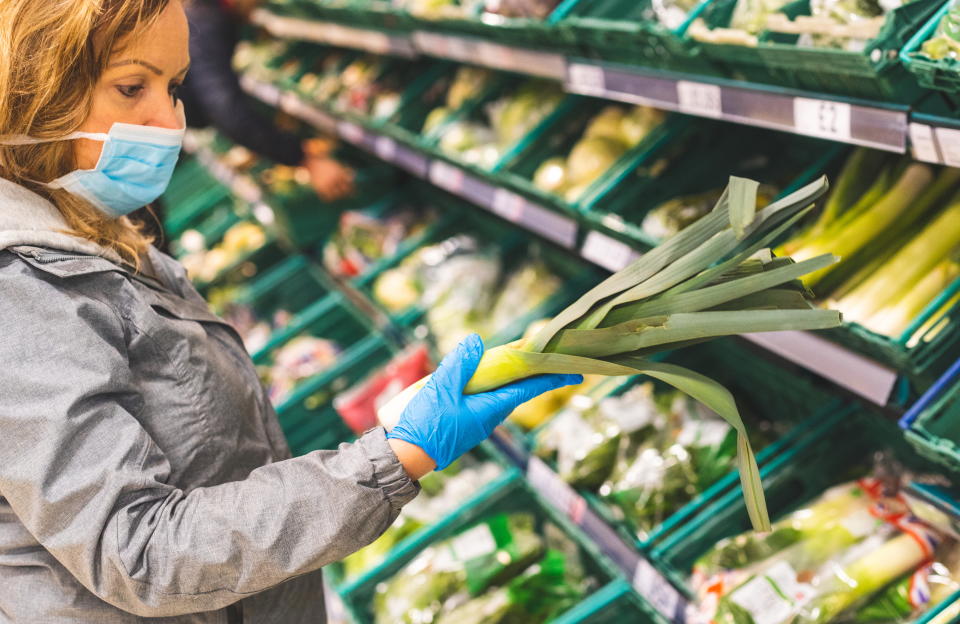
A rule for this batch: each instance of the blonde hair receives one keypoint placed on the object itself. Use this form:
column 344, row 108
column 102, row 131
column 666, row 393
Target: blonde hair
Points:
column 52, row 53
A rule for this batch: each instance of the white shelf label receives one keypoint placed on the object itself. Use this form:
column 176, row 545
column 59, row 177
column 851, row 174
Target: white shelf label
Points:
column 822, row 118
column 650, row 584
column 586, row 78
column 385, row 148
column 698, row 98
column 552, row 488
column 460, row 49
column 350, row 131
column 853, row 371
column 508, row 205
column 923, row 144
column 949, row 140
column 607, row 252
column 446, row 176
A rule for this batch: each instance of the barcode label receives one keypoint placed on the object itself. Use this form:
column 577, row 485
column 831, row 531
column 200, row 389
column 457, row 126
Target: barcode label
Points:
column 949, row 140
column 922, row 143
column 698, row 98
column 508, row 205
column 607, row 252
column 822, row 118
column 446, row 176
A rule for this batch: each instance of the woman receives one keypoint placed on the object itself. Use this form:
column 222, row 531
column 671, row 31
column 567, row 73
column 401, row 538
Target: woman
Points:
column 142, row 470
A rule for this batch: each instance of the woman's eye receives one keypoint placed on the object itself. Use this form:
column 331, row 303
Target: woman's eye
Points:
column 173, row 91
column 129, row 91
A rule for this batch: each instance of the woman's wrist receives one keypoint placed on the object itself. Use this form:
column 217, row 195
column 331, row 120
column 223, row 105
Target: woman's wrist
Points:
column 416, row 463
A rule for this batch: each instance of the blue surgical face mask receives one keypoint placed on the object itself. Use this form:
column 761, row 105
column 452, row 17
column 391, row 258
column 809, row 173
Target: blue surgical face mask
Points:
column 134, row 169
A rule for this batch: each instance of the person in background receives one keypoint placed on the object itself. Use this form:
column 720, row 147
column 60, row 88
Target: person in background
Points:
column 143, row 471
column 212, row 96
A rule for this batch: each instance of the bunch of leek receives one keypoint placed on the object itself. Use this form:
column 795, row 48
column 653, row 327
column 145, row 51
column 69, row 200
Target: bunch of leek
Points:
column 714, row 278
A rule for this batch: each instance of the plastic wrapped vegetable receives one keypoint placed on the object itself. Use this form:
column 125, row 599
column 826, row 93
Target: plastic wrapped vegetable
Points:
column 945, row 43
column 672, row 216
column 362, row 239
column 301, row 358
column 440, row 494
column 838, row 560
column 525, row 290
column 490, row 553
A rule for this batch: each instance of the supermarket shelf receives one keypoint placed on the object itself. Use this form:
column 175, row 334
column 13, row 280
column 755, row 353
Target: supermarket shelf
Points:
column 375, row 41
column 882, row 126
column 649, row 582
column 848, row 369
column 508, row 205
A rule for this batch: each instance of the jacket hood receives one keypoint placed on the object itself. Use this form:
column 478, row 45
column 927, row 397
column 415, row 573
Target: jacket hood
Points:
column 28, row 219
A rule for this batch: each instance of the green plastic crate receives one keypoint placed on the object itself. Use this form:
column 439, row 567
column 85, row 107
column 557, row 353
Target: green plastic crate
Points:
column 838, row 449
column 190, row 196
column 802, row 405
column 345, row 586
column 874, row 73
column 419, row 100
column 700, row 160
column 531, row 33
column 291, row 286
column 247, row 265
column 475, row 110
column 612, row 603
column 943, row 75
column 626, row 31
column 934, row 431
column 306, row 414
column 376, row 14
column 558, row 135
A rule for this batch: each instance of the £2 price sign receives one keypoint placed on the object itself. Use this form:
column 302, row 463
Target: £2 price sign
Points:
column 822, row 118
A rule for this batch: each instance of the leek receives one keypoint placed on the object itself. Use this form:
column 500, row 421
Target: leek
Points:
column 860, row 231
column 907, row 267
column 668, row 293
column 895, row 317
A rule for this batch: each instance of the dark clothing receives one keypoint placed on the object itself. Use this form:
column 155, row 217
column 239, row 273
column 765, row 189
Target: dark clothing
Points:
column 212, row 95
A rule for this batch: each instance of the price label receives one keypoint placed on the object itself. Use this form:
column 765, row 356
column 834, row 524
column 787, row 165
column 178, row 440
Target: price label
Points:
column 698, row 98
column 385, row 148
column 431, row 43
column 949, row 140
column 650, row 584
column 446, row 176
column 607, row 252
column 508, row 205
column 822, row 118
column 350, row 131
column 496, row 55
column 586, row 78
column 550, row 486
column 922, row 143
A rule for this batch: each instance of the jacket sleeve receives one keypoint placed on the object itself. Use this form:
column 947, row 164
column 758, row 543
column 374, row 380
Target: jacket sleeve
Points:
column 86, row 479
column 213, row 86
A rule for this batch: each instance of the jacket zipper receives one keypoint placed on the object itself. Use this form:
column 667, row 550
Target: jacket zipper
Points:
column 49, row 258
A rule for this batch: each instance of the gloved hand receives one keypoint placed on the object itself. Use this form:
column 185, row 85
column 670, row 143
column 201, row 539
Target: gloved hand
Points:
column 446, row 423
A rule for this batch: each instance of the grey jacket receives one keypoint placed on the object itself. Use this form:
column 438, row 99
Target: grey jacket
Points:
column 143, row 473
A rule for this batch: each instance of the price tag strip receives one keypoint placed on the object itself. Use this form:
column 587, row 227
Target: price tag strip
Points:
column 847, row 369
column 882, row 127
column 334, row 34
column 607, row 252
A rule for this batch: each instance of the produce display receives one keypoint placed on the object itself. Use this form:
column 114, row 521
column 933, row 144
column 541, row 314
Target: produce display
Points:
column 522, row 9
column 607, row 137
column 675, row 214
column 254, row 331
column 299, row 359
column 504, row 569
column 505, row 121
column 441, row 493
column 465, row 287
column 842, row 24
column 646, row 452
column 945, row 43
column 467, row 83
column 893, row 223
column 856, row 554
column 361, row 239
column 204, row 265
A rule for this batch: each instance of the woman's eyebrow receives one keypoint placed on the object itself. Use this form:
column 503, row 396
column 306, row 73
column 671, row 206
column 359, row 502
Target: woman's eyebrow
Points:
column 149, row 66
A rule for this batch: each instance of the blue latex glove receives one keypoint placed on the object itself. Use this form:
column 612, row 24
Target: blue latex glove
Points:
column 446, row 423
